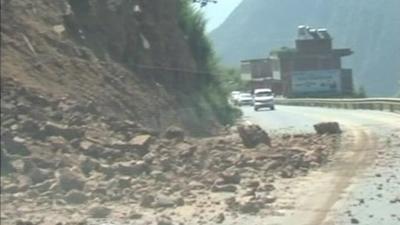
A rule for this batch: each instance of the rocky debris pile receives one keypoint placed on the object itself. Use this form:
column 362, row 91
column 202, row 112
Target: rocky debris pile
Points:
column 327, row 128
column 60, row 154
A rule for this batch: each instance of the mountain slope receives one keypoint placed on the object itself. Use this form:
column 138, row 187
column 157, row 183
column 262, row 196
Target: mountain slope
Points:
column 370, row 28
column 131, row 59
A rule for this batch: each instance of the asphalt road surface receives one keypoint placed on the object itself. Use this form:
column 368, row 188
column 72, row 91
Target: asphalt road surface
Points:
column 361, row 185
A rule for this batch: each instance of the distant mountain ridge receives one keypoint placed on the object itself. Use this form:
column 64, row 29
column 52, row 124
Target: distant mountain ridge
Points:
column 370, row 28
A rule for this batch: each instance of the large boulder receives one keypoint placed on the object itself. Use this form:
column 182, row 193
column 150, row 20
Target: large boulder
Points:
column 253, row 135
column 327, row 128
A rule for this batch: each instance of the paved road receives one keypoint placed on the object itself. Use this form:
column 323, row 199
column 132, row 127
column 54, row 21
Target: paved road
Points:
column 360, row 185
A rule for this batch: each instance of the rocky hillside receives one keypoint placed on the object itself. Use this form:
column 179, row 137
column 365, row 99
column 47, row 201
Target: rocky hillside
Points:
column 128, row 59
column 369, row 27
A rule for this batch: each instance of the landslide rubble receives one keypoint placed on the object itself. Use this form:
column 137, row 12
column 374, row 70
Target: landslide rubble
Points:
column 62, row 161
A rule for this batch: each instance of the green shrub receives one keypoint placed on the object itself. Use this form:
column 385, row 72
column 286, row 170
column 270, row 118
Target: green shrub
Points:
column 210, row 100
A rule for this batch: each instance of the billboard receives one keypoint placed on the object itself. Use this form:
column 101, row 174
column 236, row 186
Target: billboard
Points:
column 316, row 81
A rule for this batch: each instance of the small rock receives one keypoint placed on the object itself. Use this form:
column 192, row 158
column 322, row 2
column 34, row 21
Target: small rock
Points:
column 141, row 142
column 269, row 199
column 164, row 201
column 354, row 221
column 69, row 180
column 87, row 165
column 250, row 206
column 134, row 215
column 15, row 145
column 29, row 126
column 224, row 188
column 173, row 132
column 39, row 175
column 195, row 185
column 219, row 218
column 147, row 200
column 75, row 197
column 10, row 188
column 164, row 221
column 230, row 177
column 124, row 182
column 6, row 165
column 69, row 133
column 132, row 168
column 98, row 211
column 23, row 222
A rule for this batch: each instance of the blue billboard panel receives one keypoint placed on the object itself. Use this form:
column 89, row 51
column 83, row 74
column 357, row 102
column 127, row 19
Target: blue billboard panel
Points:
column 316, row 81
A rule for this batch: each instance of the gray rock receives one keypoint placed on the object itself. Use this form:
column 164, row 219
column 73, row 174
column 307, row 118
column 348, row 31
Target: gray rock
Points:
column 6, row 165
column 147, row 200
column 164, row 201
column 29, row 126
column 224, row 188
column 15, row 145
column 141, row 143
column 164, row 221
column 98, row 211
column 327, row 128
column 252, row 135
column 10, row 188
column 132, row 168
column 87, row 165
column 195, row 185
column 39, row 175
column 134, row 215
column 219, row 218
column 69, row 180
column 76, row 197
column 69, row 133
column 230, row 177
column 124, row 182
column 269, row 199
column 174, row 132
column 44, row 186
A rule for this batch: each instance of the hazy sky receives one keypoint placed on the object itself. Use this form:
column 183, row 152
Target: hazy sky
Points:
column 217, row 13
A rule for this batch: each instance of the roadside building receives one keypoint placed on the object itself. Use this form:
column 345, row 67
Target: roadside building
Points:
column 258, row 74
column 312, row 68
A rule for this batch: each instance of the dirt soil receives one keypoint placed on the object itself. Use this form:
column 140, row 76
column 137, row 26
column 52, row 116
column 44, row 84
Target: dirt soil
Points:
column 115, row 54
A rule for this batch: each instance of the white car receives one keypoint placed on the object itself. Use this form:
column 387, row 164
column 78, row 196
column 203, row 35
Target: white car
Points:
column 235, row 96
column 245, row 99
column 263, row 98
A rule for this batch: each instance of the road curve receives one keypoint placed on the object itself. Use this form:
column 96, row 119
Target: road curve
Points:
column 360, row 183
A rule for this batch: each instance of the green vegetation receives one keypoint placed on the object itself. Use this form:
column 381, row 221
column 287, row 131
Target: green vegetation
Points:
column 210, row 100
column 231, row 80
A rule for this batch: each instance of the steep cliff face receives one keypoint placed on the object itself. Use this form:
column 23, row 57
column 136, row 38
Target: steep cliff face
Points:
column 130, row 57
column 369, row 27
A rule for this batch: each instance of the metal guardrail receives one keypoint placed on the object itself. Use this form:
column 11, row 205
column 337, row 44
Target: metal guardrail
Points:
column 383, row 104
